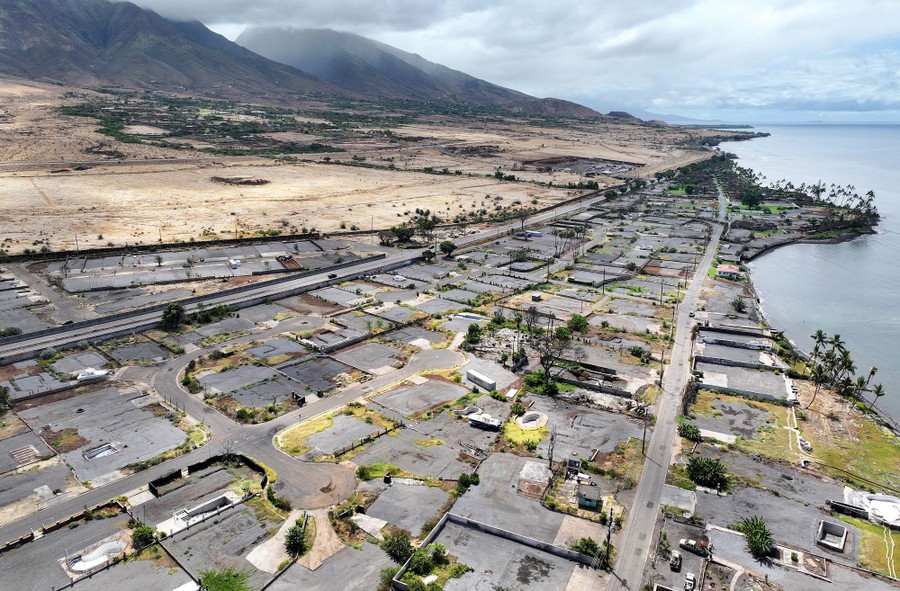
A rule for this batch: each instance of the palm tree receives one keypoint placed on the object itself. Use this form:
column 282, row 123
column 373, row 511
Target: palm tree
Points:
column 836, row 342
column 819, row 376
column 819, row 338
column 878, row 391
column 846, row 367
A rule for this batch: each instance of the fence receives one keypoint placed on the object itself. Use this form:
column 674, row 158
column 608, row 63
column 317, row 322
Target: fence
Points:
column 176, row 474
column 595, row 387
column 367, row 439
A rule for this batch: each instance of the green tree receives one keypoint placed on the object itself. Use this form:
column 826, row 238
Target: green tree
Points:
column 437, row 551
column 5, row 400
column 586, row 546
column 751, row 196
column 759, row 538
column 226, row 579
column 397, row 546
column 447, row 247
column 590, row 547
column 578, row 323
column 819, row 376
column 473, row 334
column 708, row 472
column 403, row 233
column 173, row 316
column 142, row 535
column 739, row 305
column 295, row 539
column 428, row 255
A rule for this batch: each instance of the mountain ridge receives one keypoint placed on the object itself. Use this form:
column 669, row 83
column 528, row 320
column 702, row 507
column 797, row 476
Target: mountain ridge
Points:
column 98, row 43
column 360, row 64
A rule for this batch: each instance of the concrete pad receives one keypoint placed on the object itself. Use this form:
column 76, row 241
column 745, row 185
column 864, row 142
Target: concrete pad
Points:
column 724, row 438
column 678, row 497
column 408, row 507
column 497, row 561
column 574, row 528
column 370, row 525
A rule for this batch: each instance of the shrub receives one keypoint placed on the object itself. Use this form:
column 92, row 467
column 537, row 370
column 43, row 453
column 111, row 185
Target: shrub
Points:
column 227, row 579
column 279, row 503
column 756, row 532
column 421, row 563
column 709, row 472
column 458, row 569
column 689, row 431
column 397, row 546
column 385, row 578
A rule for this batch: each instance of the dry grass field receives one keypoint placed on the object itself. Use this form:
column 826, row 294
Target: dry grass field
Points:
column 60, row 178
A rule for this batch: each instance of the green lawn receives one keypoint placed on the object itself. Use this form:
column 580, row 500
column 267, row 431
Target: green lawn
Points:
column 873, row 551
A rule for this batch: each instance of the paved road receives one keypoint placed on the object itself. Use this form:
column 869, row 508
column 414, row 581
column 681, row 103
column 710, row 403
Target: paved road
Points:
column 307, row 484
column 634, row 549
column 102, row 328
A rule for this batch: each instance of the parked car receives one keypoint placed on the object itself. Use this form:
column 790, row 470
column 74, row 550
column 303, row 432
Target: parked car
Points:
column 690, row 582
column 692, row 546
column 675, row 561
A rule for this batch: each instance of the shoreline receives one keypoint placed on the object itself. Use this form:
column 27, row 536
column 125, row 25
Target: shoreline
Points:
column 893, row 424
column 850, row 236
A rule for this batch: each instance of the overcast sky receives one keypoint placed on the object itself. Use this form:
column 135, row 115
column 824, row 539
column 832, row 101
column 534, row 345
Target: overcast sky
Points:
column 739, row 60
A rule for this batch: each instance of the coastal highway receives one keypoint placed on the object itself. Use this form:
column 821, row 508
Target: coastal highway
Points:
column 103, row 327
column 100, row 328
column 637, row 539
column 306, row 484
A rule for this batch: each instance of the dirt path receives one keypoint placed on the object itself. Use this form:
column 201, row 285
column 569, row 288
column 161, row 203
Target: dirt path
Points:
column 271, row 553
column 327, row 542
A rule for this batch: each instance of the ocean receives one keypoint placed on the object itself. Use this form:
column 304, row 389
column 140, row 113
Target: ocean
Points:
column 851, row 288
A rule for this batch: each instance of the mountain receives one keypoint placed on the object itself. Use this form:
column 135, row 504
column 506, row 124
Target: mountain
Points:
column 365, row 66
column 95, row 43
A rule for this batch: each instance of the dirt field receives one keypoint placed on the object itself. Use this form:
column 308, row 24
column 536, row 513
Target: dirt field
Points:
column 61, row 179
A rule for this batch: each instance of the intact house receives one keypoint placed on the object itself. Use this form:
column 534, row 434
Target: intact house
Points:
column 588, row 496
column 729, row 272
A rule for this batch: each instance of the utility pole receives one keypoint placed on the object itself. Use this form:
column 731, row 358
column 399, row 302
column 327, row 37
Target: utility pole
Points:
column 644, row 436
column 609, row 536
column 550, row 452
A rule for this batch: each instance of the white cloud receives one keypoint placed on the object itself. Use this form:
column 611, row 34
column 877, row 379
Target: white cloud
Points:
column 693, row 56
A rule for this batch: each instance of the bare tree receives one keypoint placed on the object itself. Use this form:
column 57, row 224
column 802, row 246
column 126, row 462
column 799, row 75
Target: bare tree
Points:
column 531, row 319
column 553, row 345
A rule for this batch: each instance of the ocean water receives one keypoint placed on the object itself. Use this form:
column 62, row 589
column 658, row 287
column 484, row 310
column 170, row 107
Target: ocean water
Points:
column 852, row 288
